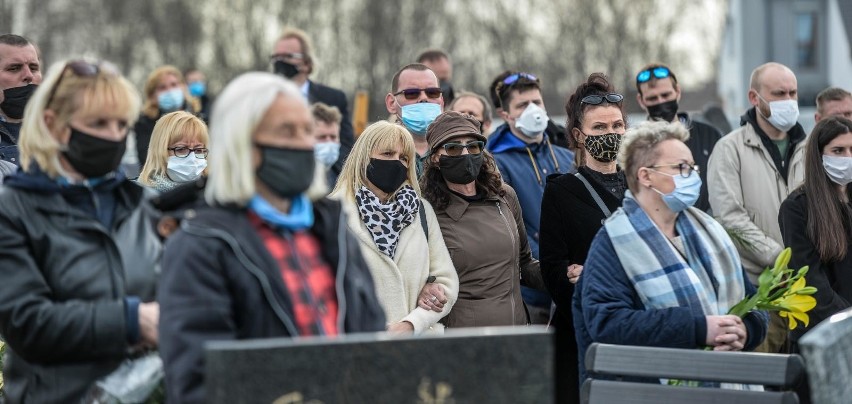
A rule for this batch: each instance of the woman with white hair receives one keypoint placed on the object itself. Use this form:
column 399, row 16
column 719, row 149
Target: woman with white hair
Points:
column 78, row 253
column 268, row 257
column 397, row 230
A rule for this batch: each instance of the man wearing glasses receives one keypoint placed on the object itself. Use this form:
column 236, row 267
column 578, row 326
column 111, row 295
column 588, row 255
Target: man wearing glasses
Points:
column 525, row 157
column 20, row 73
column 293, row 58
column 416, row 99
column 753, row 169
column 659, row 94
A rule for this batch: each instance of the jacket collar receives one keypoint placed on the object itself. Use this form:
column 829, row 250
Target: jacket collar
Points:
column 458, row 205
column 796, row 133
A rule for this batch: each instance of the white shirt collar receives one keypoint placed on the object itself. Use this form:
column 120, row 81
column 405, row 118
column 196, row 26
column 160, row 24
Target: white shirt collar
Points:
column 304, row 88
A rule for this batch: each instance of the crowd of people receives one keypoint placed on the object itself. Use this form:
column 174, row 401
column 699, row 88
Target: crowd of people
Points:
column 261, row 214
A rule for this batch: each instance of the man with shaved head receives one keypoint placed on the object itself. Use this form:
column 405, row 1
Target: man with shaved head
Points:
column 753, row 169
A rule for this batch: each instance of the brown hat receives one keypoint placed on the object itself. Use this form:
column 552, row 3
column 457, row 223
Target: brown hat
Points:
column 452, row 124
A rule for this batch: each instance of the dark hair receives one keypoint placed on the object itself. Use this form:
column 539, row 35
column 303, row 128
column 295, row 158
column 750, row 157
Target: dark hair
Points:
column 430, row 55
column 411, row 66
column 825, row 208
column 329, row 114
column 13, row 40
column 500, row 93
column 596, row 84
column 492, row 89
column 652, row 79
column 830, row 94
column 435, row 189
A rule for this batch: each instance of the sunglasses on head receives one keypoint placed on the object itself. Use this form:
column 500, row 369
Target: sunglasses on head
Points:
column 414, row 93
column 659, row 72
column 512, row 79
column 455, row 149
column 596, row 99
column 80, row 68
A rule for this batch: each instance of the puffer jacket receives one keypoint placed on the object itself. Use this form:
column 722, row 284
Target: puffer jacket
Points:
column 747, row 184
column 67, row 310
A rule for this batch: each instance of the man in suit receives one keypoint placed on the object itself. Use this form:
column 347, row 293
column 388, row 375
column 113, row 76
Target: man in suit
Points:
column 293, row 58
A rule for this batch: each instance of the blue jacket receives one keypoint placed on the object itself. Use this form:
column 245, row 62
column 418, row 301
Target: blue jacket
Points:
column 516, row 167
column 623, row 319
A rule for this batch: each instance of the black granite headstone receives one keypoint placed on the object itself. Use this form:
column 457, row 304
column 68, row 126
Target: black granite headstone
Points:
column 827, row 349
column 477, row 365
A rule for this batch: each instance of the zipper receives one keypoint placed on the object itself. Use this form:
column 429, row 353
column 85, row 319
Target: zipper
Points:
column 514, row 249
column 253, row 269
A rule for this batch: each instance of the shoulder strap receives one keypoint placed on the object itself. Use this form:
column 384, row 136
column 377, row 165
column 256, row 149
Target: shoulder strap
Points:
column 595, row 195
column 423, row 223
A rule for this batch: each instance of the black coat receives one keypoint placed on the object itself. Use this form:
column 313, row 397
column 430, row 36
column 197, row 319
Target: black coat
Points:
column 702, row 140
column 833, row 280
column 570, row 219
column 220, row 283
column 335, row 98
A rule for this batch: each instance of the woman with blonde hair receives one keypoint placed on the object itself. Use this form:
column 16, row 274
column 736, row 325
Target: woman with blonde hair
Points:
column 178, row 152
column 270, row 257
column 398, row 232
column 165, row 91
column 78, row 254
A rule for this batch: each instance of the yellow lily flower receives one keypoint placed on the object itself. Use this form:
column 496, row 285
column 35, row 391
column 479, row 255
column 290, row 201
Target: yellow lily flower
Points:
column 792, row 316
column 797, row 305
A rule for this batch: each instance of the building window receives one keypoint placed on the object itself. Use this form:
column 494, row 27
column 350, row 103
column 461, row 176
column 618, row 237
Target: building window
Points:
column 806, row 39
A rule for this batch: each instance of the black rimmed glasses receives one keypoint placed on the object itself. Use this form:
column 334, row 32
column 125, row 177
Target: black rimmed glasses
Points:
column 659, row 72
column 685, row 169
column 455, row 149
column 80, row 68
column 414, row 93
column 183, row 152
column 597, row 99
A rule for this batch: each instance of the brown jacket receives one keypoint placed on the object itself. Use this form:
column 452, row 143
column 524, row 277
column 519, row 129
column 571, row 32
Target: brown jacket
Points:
column 489, row 248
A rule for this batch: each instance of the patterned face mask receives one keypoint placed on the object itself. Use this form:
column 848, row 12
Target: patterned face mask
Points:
column 603, row 148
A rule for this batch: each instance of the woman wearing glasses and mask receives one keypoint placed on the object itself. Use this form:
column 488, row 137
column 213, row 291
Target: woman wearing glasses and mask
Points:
column 661, row 272
column 574, row 207
column 398, row 232
column 462, row 183
column 78, row 254
column 178, row 152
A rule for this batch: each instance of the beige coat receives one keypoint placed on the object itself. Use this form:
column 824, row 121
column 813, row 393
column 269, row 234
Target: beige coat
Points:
column 399, row 279
column 746, row 192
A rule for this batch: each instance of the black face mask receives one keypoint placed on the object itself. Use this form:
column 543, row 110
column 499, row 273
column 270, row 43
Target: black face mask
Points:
column 388, row 175
column 285, row 69
column 92, row 156
column 460, row 169
column 447, row 91
column 287, row 172
column 665, row 111
column 15, row 99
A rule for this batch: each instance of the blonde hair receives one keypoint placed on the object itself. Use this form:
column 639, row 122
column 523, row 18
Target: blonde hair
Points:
column 236, row 113
column 105, row 91
column 639, row 146
column 304, row 41
column 151, row 108
column 170, row 129
column 378, row 136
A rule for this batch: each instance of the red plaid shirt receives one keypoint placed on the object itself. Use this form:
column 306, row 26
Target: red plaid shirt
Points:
column 308, row 278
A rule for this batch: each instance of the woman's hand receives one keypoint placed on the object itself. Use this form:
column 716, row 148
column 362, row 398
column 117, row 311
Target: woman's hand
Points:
column 574, row 271
column 726, row 333
column 149, row 318
column 401, row 328
column 432, row 297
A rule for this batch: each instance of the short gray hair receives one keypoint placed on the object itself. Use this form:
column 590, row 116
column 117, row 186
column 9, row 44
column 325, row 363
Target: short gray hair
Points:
column 238, row 110
column 639, row 146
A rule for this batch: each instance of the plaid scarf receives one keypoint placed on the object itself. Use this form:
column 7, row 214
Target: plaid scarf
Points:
column 709, row 280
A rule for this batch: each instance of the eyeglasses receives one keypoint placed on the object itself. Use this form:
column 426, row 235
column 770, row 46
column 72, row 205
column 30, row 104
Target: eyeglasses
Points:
column 183, row 152
column 414, row 93
column 455, row 149
column 293, row 55
column 659, row 72
column 80, row 68
column 685, row 169
column 596, row 99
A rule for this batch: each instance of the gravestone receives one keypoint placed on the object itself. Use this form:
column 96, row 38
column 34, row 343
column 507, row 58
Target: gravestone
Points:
column 827, row 349
column 477, row 365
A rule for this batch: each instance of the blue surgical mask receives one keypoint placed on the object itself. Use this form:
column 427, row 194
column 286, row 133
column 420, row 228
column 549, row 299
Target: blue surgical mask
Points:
column 327, row 153
column 197, row 88
column 417, row 117
column 170, row 100
column 685, row 194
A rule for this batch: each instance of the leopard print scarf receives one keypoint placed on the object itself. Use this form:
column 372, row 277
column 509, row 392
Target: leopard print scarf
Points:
column 386, row 221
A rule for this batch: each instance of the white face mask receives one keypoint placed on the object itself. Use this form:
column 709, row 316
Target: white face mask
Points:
column 327, row 153
column 185, row 169
column 839, row 169
column 533, row 121
column 783, row 114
